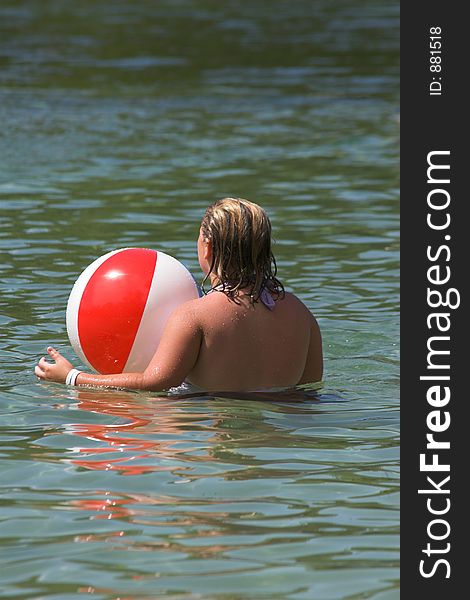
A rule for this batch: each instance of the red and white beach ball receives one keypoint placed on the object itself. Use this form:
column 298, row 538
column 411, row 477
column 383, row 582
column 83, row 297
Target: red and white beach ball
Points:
column 119, row 306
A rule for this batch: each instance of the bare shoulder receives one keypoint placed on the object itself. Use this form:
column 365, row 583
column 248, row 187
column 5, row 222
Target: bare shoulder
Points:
column 186, row 312
column 295, row 304
column 313, row 370
column 190, row 306
column 195, row 310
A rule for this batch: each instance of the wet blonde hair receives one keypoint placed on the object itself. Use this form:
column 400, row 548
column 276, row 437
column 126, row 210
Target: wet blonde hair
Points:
column 240, row 232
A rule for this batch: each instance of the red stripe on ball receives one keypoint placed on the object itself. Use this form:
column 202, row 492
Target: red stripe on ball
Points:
column 112, row 305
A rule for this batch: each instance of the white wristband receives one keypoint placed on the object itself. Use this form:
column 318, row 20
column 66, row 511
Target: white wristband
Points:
column 72, row 377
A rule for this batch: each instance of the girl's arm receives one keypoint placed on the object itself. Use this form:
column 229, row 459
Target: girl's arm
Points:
column 174, row 359
column 313, row 370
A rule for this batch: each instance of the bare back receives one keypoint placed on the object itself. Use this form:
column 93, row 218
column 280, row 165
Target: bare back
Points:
column 247, row 346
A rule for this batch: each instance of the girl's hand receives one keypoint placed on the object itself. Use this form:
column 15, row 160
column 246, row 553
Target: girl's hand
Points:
column 56, row 371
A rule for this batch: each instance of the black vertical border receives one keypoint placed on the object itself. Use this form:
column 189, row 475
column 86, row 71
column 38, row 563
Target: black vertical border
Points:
column 430, row 123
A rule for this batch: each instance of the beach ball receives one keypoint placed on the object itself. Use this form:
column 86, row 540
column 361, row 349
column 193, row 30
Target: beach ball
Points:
column 119, row 305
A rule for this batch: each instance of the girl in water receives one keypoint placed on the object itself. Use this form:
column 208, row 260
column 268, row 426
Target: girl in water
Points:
column 246, row 334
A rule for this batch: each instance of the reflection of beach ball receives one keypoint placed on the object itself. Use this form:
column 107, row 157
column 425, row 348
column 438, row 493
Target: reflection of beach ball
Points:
column 119, row 306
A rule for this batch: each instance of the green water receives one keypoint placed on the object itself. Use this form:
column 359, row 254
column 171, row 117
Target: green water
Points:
column 120, row 122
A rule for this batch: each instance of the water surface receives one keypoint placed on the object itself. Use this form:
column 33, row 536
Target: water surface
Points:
column 121, row 122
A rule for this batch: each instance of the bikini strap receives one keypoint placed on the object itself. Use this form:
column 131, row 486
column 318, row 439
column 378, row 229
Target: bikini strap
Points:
column 267, row 299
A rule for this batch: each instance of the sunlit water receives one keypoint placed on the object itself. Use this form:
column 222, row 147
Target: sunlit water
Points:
column 120, row 123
